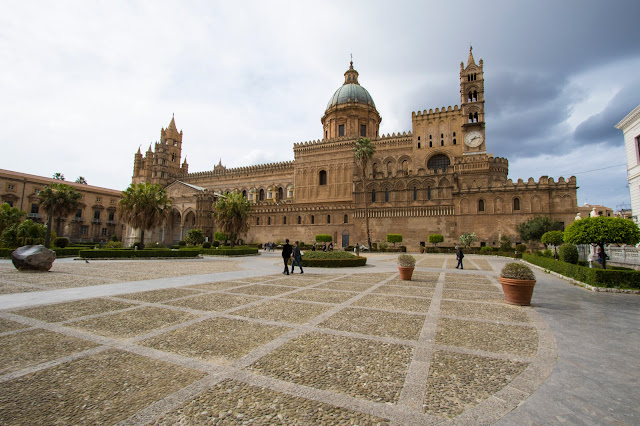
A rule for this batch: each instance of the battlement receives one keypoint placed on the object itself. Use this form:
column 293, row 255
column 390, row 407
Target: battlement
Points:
column 438, row 113
column 259, row 168
column 345, row 141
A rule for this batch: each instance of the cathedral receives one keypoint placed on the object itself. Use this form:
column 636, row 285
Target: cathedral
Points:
column 436, row 179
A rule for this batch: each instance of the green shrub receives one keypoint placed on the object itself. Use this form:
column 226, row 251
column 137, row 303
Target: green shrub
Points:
column 333, row 259
column 123, row 254
column 436, row 239
column 505, row 243
column 595, row 277
column 394, row 238
column 323, row 238
column 568, row 253
column 521, row 248
column 486, row 250
column 206, row 245
column 114, row 244
column 195, row 236
column 67, row 251
column 517, row 271
column 61, row 242
column 5, row 253
column 182, row 243
column 236, row 251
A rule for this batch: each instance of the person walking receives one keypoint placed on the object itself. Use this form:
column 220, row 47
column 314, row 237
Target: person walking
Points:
column 459, row 256
column 286, row 254
column 297, row 257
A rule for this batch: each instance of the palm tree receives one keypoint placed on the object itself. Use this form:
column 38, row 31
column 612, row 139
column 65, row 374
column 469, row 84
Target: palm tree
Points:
column 144, row 206
column 231, row 213
column 364, row 151
column 59, row 200
column 58, row 176
column 81, row 180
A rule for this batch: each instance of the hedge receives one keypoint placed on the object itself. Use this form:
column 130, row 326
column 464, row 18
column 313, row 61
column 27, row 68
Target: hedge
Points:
column 242, row 251
column 596, row 277
column 5, row 253
column 124, row 254
column 334, row 263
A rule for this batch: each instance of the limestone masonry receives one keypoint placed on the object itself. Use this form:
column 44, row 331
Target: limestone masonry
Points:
column 438, row 178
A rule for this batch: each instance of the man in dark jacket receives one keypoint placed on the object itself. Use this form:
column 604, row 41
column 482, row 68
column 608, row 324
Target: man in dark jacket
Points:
column 297, row 257
column 286, row 254
column 459, row 256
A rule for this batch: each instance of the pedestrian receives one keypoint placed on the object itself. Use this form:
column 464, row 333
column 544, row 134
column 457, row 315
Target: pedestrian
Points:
column 324, row 247
column 296, row 257
column 313, row 247
column 286, row 254
column 330, row 246
column 459, row 256
column 358, row 249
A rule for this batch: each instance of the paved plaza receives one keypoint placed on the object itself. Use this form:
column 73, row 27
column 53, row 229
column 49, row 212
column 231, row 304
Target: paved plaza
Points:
column 233, row 341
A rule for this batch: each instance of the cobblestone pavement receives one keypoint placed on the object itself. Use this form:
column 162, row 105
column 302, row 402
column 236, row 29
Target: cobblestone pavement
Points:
column 220, row 341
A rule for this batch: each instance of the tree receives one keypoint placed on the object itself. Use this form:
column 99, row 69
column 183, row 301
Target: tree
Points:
column 394, row 238
column 58, row 176
column 467, row 239
column 231, row 213
column 58, row 200
column 363, row 152
column 324, row 238
column 554, row 238
column 220, row 236
column 24, row 233
column 10, row 216
column 144, row 206
column 535, row 228
column 81, row 180
column 435, row 239
column 195, row 237
column 601, row 231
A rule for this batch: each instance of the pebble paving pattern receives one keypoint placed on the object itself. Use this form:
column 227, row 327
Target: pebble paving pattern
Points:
column 329, row 348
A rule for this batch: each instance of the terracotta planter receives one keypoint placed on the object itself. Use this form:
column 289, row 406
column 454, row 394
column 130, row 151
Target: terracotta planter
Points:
column 517, row 292
column 406, row 272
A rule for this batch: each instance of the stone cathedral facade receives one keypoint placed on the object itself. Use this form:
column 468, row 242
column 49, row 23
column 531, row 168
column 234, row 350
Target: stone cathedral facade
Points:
column 436, row 179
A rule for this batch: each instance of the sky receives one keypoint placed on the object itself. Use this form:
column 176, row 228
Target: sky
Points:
column 84, row 84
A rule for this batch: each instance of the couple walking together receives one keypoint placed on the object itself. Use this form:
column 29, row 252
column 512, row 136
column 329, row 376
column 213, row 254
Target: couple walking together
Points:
column 294, row 253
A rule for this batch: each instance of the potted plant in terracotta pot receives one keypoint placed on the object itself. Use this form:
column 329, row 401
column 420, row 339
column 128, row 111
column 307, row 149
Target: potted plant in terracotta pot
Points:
column 517, row 281
column 406, row 264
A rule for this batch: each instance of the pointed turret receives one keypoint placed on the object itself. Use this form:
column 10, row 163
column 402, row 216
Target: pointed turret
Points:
column 471, row 61
column 172, row 124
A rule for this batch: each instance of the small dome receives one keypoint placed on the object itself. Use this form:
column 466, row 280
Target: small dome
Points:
column 351, row 93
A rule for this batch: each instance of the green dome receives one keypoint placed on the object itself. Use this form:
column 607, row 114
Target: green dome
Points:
column 350, row 93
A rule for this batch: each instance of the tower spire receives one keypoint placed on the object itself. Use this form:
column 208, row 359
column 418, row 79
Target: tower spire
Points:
column 470, row 60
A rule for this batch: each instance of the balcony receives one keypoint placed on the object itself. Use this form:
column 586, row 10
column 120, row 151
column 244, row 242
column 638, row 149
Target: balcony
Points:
column 96, row 221
column 34, row 215
column 112, row 222
column 78, row 219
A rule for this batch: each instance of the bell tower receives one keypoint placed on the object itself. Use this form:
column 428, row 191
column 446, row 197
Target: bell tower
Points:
column 472, row 105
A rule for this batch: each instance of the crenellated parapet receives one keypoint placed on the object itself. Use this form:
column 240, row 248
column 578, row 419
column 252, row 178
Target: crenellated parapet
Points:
column 439, row 113
column 348, row 142
column 543, row 183
column 283, row 166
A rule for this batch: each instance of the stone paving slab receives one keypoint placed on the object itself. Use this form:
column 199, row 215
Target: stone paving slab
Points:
column 333, row 347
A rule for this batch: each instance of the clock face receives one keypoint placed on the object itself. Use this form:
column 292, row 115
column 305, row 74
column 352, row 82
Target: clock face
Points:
column 473, row 139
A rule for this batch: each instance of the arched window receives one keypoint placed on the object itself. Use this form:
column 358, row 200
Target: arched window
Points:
column 475, row 117
column 346, row 218
column 261, row 198
column 257, row 221
column 470, row 97
column 313, row 219
column 475, row 96
column 470, row 117
column 244, row 193
column 516, row 203
column 269, row 220
column 280, row 193
column 439, row 161
column 299, row 220
column 386, row 195
column 323, row 177
column 415, row 193
column 441, row 143
column 480, row 205
column 284, row 220
column 429, row 193
column 328, row 218
column 374, row 169
column 373, row 195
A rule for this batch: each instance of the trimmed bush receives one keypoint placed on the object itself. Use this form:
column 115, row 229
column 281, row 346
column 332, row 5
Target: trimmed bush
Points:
column 323, row 238
column 394, row 238
column 521, row 248
column 182, row 243
column 486, row 250
column 595, row 277
column 568, row 253
column 236, row 251
column 333, row 259
column 5, row 253
column 61, row 242
column 436, row 239
column 124, row 254
column 67, row 251
column 206, row 245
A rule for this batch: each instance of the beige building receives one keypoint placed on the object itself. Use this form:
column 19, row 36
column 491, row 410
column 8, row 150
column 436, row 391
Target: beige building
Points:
column 630, row 126
column 437, row 178
column 95, row 220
